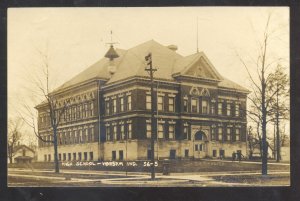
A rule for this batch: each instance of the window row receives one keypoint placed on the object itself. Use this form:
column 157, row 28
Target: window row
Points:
column 80, row 111
column 119, row 131
column 80, row 156
column 228, row 109
column 160, row 103
column 70, row 137
column 71, row 113
column 165, row 131
column 231, row 134
column 120, row 104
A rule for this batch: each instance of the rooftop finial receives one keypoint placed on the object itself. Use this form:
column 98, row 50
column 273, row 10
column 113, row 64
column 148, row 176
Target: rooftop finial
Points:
column 111, row 53
column 111, row 39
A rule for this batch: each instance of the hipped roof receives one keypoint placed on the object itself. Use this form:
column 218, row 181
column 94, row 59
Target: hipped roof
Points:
column 131, row 63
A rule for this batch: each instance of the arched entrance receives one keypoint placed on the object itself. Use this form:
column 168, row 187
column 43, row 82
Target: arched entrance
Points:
column 200, row 144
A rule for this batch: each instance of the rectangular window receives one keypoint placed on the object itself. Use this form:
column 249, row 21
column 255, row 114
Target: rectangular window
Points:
column 86, row 135
column 107, row 107
column 200, row 147
column 45, row 157
column 228, row 109
column 75, row 136
column 80, row 136
column 74, row 113
column 64, row 157
column 85, row 156
column 74, row 156
column 222, row 153
column 220, row 134
column 237, row 110
column 196, row 147
column 114, row 105
column 69, row 156
column 79, row 156
column 214, row 153
column 85, row 110
column 80, row 111
column 122, row 132
column 160, row 131
column 185, row 132
column 171, row 132
column 59, row 157
column 121, row 155
column 160, row 103
column 129, row 102
column 212, row 109
column 108, row 137
column 194, row 105
column 121, row 104
column 186, row 153
column 113, row 155
column 213, row 134
column 237, row 134
column 91, row 135
column 129, row 131
column 114, row 132
column 228, row 134
column 91, row 109
column 148, row 102
column 91, row 156
column 185, row 105
column 171, row 104
column 220, row 108
column 204, row 106
column 172, row 154
column 49, row 157
column 148, row 132
column 68, row 137
column 63, row 138
column 69, row 114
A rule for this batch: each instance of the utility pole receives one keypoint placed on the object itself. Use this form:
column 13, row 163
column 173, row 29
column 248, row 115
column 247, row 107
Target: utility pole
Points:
column 151, row 71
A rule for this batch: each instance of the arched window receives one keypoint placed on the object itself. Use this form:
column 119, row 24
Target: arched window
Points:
column 200, row 135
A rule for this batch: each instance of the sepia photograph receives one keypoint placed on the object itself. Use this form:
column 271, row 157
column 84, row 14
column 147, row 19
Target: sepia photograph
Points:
column 148, row 97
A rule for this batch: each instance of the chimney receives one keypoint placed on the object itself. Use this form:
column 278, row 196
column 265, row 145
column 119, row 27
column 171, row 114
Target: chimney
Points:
column 172, row 47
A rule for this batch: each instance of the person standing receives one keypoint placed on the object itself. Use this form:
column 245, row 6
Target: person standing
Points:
column 233, row 156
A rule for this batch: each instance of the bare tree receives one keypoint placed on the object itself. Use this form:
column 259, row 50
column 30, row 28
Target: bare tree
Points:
column 53, row 108
column 261, row 94
column 14, row 136
column 279, row 82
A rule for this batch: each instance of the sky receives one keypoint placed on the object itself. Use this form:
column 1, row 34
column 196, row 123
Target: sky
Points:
column 75, row 38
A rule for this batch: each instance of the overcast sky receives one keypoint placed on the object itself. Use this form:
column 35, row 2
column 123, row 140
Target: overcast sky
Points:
column 75, row 38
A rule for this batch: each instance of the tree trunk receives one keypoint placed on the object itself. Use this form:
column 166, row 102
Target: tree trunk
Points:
column 10, row 154
column 277, row 127
column 264, row 169
column 274, row 143
column 55, row 150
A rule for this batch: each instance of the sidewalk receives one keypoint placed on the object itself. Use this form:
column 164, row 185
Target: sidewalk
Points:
column 243, row 161
column 132, row 179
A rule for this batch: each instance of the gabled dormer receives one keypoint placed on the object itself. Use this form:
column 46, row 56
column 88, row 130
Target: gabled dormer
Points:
column 196, row 66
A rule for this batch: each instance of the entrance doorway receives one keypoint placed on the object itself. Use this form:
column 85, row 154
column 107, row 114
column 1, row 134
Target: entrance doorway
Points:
column 200, row 144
